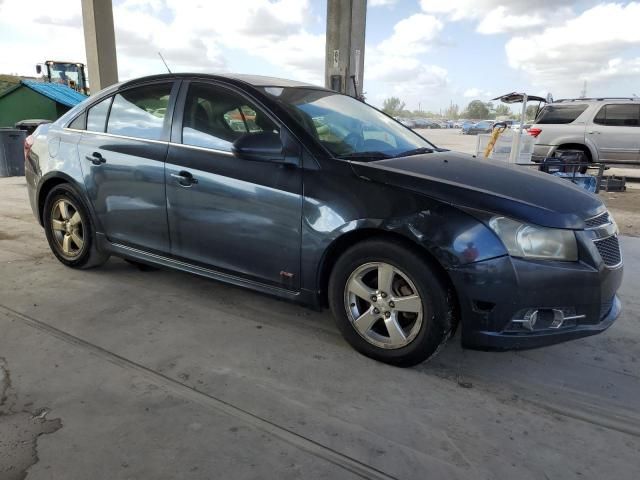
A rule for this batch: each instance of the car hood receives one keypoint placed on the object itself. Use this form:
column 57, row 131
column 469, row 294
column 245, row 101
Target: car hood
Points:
column 515, row 191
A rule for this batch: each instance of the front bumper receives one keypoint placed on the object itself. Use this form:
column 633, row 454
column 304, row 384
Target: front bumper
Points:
column 494, row 292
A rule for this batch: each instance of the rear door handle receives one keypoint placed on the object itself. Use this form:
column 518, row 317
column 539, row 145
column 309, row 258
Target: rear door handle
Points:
column 593, row 132
column 186, row 179
column 96, row 158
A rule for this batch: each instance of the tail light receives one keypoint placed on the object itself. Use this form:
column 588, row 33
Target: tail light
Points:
column 28, row 143
column 534, row 132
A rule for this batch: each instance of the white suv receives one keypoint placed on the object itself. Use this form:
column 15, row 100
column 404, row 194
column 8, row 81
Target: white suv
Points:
column 605, row 129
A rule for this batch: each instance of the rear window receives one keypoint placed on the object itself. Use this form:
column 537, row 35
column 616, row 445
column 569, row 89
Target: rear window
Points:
column 560, row 113
column 140, row 112
column 620, row 115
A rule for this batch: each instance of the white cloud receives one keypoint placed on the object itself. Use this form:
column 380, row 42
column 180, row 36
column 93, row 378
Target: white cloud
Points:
column 500, row 20
column 382, row 3
column 588, row 47
column 412, row 35
column 498, row 16
column 396, row 64
column 476, row 93
column 271, row 30
column 193, row 35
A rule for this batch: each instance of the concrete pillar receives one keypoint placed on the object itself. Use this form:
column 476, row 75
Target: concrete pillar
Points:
column 344, row 55
column 100, row 43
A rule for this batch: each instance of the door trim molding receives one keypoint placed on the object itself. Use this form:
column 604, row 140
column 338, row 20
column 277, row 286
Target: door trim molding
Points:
column 156, row 259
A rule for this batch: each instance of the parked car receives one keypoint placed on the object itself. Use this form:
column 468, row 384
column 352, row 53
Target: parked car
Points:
column 325, row 201
column 407, row 122
column 485, row 126
column 466, row 125
column 515, row 126
column 603, row 129
column 421, row 123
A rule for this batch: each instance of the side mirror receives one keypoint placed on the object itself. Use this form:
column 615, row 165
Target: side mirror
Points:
column 261, row 147
column 38, row 69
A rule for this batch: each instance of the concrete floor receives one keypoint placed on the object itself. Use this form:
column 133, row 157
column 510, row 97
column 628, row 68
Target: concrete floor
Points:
column 115, row 373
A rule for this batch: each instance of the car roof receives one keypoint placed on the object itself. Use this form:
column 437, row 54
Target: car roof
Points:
column 566, row 101
column 253, row 80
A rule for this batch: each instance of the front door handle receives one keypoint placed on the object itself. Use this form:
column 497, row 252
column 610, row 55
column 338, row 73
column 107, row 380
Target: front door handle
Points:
column 593, row 132
column 186, row 179
column 96, row 158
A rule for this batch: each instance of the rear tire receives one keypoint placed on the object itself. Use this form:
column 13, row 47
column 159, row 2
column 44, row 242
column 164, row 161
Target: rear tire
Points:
column 69, row 229
column 586, row 158
column 390, row 303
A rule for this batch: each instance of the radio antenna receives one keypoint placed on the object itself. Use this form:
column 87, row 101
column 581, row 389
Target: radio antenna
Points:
column 165, row 63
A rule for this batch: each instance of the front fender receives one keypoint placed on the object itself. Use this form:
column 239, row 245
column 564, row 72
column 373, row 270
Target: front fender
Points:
column 335, row 212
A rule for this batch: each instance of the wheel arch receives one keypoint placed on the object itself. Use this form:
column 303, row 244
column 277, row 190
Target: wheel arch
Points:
column 347, row 240
column 578, row 146
column 48, row 183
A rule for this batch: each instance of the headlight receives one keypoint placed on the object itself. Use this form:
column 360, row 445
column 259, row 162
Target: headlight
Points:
column 532, row 241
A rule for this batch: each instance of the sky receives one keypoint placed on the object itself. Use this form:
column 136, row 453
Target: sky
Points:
column 429, row 53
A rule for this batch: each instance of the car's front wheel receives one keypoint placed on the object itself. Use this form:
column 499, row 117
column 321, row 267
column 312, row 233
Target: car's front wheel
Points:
column 389, row 303
column 69, row 229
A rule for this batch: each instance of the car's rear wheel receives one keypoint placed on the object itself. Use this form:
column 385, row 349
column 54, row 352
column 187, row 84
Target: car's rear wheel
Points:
column 69, row 229
column 583, row 158
column 389, row 303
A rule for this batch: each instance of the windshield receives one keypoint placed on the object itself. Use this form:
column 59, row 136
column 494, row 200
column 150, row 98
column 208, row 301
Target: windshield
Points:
column 65, row 73
column 346, row 126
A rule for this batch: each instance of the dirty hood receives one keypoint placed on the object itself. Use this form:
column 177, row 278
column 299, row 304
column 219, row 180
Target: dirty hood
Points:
column 516, row 191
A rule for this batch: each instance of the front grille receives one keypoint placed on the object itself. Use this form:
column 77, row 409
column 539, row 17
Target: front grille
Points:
column 597, row 221
column 609, row 249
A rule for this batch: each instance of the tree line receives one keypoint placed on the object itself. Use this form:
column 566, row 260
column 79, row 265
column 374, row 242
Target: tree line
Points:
column 477, row 109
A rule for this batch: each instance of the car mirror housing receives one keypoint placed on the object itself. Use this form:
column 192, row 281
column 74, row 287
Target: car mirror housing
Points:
column 260, row 147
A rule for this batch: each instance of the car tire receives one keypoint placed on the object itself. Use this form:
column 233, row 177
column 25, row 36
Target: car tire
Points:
column 70, row 230
column 586, row 157
column 377, row 326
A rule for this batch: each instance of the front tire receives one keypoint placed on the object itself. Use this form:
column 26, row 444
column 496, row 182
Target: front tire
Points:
column 69, row 229
column 389, row 303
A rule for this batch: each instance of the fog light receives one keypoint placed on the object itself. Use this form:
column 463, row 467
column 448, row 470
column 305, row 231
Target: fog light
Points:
column 534, row 319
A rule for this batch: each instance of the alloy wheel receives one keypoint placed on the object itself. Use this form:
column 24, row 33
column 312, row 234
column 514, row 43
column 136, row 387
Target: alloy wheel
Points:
column 383, row 305
column 67, row 228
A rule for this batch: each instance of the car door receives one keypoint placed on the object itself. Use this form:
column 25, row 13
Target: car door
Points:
column 122, row 152
column 615, row 132
column 225, row 212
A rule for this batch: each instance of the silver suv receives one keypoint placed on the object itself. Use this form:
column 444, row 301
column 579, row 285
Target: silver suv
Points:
column 605, row 129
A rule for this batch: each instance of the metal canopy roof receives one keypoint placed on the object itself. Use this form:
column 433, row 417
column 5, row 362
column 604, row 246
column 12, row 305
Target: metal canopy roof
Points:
column 55, row 91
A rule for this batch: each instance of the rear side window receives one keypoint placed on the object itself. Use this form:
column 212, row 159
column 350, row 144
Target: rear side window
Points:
column 97, row 116
column 619, row 115
column 78, row 123
column 560, row 113
column 215, row 117
column 140, row 112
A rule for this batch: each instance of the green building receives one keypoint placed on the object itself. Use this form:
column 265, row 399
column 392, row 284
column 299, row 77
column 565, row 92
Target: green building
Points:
column 33, row 99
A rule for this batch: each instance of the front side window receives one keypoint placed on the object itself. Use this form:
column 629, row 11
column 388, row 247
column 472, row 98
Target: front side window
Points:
column 560, row 114
column 97, row 116
column 215, row 117
column 618, row 115
column 140, row 112
column 345, row 126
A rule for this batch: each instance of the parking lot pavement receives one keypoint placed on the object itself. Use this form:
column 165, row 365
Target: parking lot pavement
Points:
column 454, row 140
column 158, row 374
